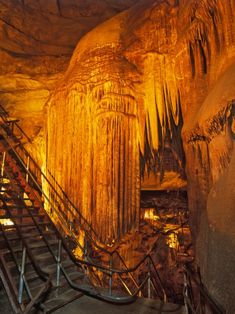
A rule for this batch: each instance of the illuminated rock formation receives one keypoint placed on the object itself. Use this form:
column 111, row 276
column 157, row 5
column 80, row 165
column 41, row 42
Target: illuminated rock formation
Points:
column 108, row 106
column 97, row 107
column 37, row 41
column 138, row 79
column 159, row 76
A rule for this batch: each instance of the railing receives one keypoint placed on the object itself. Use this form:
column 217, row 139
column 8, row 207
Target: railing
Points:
column 106, row 271
column 59, row 202
column 202, row 303
column 34, row 175
column 16, row 297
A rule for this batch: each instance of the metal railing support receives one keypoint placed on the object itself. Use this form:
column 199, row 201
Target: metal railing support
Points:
column 58, row 264
column 111, row 275
column 30, row 175
column 21, row 283
column 186, row 295
column 3, row 163
column 27, row 170
column 149, row 280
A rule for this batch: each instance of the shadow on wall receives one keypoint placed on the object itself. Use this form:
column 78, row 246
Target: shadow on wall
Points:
column 216, row 245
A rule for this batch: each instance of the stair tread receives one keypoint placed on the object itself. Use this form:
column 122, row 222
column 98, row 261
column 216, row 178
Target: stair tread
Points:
column 42, row 244
column 21, row 216
column 63, row 299
column 14, row 235
column 26, row 225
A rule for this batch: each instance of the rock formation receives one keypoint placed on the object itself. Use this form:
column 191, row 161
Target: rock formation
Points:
column 158, row 77
column 37, row 38
column 137, row 81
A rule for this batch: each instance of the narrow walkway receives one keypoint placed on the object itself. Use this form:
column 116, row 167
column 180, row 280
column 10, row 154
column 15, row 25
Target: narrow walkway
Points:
column 86, row 305
column 5, row 306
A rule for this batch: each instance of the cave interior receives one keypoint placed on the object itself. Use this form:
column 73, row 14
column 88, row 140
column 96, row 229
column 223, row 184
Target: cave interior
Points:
column 117, row 133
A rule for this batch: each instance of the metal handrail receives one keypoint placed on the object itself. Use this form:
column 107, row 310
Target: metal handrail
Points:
column 209, row 302
column 88, row 229
column 126, row 268
column 42, row 274
column 3, row 115
column 104, row 269
column 78, row 261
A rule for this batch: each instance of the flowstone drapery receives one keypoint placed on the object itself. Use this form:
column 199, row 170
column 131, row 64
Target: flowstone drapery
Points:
column 96, row 158
column 133, row 84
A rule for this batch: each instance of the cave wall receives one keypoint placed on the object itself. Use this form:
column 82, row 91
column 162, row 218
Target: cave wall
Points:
column 218, row 258
column 105, row 117
column 95, row 105
column 37, row 38
column 137, row 82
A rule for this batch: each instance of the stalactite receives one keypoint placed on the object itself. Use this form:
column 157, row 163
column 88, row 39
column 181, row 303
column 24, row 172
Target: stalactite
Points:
column 122, row 95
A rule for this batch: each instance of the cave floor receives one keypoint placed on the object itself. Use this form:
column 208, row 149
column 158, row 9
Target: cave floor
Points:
column 87, row 305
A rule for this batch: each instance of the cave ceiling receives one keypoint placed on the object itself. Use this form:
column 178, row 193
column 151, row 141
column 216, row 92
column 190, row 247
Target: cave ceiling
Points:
column 37, row 38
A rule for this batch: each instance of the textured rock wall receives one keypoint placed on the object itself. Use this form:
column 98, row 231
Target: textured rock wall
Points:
column 208, row 142
column 37, row 38
column 133, row 83
column 108, row 106
column 93, row 119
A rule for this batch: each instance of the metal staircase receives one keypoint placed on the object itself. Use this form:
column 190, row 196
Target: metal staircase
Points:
column 32, row 254
column 37, row 266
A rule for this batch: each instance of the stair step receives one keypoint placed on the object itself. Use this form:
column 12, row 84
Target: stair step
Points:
column 15, row 250
column 42, row 244
column 11, row 264
column 26, row 225
column 12, row 216
column 68, row 296
column 20, row 204
column 35, row 236
column 34, row 225
column 18, row 248
column 67, row 264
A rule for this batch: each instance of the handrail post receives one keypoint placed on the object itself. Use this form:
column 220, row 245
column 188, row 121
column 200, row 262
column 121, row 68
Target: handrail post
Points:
column 3, row 163
column 186, row 294
column 58, row 264
column 85, row 253
column 21, row 283
column 27, row 170
column 149, row 280
column 111, row 274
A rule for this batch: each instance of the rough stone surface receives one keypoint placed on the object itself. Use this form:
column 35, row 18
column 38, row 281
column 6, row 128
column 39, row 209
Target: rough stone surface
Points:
column 37, row 38
column 137, row 81
column 141, row 306
column 156, row 69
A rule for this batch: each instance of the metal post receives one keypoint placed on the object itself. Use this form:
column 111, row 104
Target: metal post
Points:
column 58, row 265
column 186, row 294
column 149, row 281
column 3, row 163
column 111, row 275
column 85, row 254
column 85, row 249
column 12, row 126
column 27, row 167
column 21, row 283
